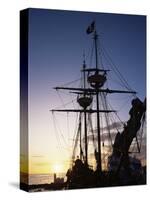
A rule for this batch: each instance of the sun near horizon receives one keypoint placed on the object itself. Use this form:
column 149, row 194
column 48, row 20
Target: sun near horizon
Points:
column 46, row 166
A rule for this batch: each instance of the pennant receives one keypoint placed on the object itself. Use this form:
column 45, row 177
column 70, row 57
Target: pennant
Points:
column 91, row 28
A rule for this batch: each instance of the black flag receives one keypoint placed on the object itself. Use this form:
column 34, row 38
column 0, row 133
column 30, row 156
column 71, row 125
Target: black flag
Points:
column 90, row 28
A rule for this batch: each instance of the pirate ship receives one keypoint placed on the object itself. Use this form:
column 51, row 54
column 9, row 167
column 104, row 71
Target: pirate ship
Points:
column 122, row 168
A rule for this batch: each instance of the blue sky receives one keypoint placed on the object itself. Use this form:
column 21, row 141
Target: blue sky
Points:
column 57, row 41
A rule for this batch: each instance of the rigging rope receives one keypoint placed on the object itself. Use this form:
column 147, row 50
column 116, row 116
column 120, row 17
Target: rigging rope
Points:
column 105, row 106
column 76, row 138
column 115, row 114
column 71, row 82
column 124, row 104
column 65, row 104
column 142, row 127
column 92, row 131
column 68, row 130
column 120, row 76
column 56, row 132
column 100, row 54
column 58, row 127
column 91, row 57
column 61, row 99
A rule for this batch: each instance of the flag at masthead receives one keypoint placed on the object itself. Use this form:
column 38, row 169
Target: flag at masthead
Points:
column 91, row 28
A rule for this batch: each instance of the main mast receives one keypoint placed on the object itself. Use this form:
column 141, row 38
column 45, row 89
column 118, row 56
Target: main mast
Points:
column 97, row 80
column 99, row 164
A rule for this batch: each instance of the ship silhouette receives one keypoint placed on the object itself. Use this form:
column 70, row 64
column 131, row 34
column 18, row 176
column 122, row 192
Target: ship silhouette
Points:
column 122, row 167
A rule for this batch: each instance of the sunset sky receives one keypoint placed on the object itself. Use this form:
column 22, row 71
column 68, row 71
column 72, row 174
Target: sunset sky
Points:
column 57, row 42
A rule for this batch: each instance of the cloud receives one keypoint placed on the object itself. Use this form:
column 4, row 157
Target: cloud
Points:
column 37, row 156
column 41, row 163
column 115, row 125
column 104, row 136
